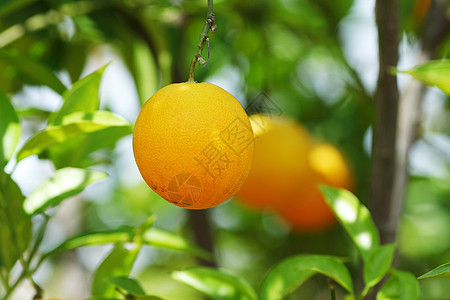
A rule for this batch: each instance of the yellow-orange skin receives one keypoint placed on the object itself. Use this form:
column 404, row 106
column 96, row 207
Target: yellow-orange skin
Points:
column 287, row 169
column 173, row 137
column 280, row 166
column 308, row 212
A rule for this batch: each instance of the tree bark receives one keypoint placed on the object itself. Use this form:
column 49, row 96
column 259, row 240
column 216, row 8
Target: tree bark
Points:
column 201, row 228
column 389, row 171
column 383, row 202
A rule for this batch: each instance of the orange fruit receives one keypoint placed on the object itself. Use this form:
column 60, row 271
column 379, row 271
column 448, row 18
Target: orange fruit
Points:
column 193, row 144
column 280, row 163
column 308, row 212
column 328, row 162
column 286, row 171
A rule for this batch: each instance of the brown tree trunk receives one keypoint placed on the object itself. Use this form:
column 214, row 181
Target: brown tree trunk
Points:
column 385, row 184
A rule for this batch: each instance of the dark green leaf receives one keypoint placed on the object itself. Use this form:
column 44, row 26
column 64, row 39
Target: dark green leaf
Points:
column 8, row 6
column 12, row 217
column 118, row 263
column 33, row 70
column 75, row 125
column 378, row 264
column 82, row 97
column 216, row 284
column 401, row 286
column 64, row 183
column 289, row 274
column 127, row 284
column 441, row 271
column 354, row 217
column 10, row 130
column 435, row 73
column 145, row 73
column 164, row 239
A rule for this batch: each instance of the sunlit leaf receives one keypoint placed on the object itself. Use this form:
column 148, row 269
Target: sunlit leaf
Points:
column 118, row 263
column 289, row 274
column 12, row 217
column 441, row 271
column 82, row 97
column 127, row 284
column 216, row 284
column 435, row 73
column 121, row 235
column 401, row 286
column 354, row 217
column 147, row 297
column 164, row 239
column 64, row 183
column 10, row 130
column 32, row 70
column 73, row 126
column 75, row 152
column 378, row 264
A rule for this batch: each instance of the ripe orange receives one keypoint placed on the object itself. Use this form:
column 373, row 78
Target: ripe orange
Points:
column 287, row 168
column 280, row 162
column 193, row 144
column 308, row 212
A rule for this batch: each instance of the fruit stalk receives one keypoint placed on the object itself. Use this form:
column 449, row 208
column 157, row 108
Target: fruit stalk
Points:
column 209, row 25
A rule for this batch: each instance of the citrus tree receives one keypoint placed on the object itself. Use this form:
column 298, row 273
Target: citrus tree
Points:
column 278, row 117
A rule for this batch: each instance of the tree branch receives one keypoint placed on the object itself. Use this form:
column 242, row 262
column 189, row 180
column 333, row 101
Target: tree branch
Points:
column 201, row 228
column 384, row 205
column 436, row 27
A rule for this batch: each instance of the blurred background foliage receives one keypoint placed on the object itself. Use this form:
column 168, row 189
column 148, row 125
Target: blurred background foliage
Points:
column 301, row 54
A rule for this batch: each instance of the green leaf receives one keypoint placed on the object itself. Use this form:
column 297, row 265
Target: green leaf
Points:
column 8, row 6
column 32, row 69
column 378, row 264
column 74, row 152
column 82, row 97
column 290, row 273
column 118, row 263
column 135, row 298
column 10, row 130
column 12, row 217
column 435, row 73
column 401, row 286
column 216, row 284
column 441, row 271
column 144, row 70
column 164, row 239
column 65, row 183
column 121, row 235
column 127, row 284
column 75, row 125
column 354, row 217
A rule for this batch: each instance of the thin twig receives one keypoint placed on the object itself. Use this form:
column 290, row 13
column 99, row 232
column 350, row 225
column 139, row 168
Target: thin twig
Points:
column 332, row 287
column 209, row 25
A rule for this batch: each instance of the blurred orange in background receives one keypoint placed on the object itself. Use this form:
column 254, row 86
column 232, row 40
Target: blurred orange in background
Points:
column 280, row 162
column 287, row 168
